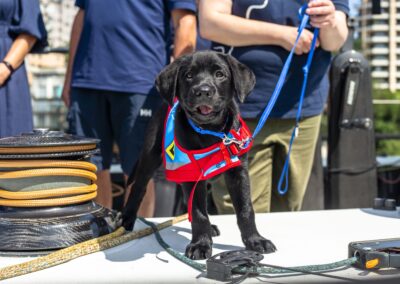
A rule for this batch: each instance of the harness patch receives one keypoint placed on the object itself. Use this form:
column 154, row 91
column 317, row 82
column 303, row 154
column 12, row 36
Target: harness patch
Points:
column 171, row 150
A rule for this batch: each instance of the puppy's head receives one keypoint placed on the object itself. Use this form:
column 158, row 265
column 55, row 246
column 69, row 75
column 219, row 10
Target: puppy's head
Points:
column 207, row 85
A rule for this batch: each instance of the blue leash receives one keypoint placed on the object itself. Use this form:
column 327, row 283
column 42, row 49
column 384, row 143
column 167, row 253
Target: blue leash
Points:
column 267, row 111
column 306, row 69
column 282, row 76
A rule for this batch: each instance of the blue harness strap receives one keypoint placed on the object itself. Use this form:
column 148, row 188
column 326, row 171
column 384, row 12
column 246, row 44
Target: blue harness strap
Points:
column 205, row 131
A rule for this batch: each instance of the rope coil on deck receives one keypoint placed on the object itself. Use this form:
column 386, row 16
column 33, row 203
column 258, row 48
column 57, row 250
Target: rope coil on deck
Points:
column 59, row 192
column 24, row 164
column 118, row 237
column 48, row 172
column 260, row 270
column 18, row 178
column 49, row 201
column 47, row 187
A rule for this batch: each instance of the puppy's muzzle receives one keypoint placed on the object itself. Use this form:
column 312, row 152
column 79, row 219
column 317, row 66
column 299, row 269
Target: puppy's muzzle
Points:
column 204, row 90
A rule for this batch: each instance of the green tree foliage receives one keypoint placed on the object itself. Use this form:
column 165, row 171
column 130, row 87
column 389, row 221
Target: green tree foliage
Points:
column 387, row 121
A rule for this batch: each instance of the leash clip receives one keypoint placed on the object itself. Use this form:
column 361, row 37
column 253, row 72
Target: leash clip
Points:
column 228, row 141
column 242, row 144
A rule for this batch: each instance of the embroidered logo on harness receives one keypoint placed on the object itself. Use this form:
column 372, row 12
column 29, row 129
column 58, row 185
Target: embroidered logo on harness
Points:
column 171, row 150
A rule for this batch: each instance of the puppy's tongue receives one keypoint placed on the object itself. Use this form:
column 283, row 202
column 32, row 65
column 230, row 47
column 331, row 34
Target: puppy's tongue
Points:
column 205, row 110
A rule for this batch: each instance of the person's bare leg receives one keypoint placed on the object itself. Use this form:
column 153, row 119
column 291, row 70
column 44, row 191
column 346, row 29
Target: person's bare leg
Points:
column 104, row 189
column 147, row 206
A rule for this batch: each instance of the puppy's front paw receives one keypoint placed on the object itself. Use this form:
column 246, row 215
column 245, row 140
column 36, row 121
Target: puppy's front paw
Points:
column 128, row 222
column 199, row 250
column 259, row 244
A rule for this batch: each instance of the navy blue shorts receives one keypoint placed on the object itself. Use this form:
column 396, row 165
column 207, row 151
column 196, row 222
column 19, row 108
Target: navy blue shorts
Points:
column 112, row 117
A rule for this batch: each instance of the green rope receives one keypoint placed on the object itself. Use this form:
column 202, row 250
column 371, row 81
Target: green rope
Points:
column 257, row 270
column 196, row 265
column 298, row 269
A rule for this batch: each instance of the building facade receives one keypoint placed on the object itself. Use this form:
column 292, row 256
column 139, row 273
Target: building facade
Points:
column 380, row 37
column 58, row 16
column 46, row 78
column 46, row 72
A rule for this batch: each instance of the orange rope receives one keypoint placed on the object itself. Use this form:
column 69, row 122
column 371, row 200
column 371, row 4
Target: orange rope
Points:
column 11, row 164
column 56, row 192
column 49, row 202
column 48, row 172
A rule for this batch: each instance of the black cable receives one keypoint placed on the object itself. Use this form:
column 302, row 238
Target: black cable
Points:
column 352, row 170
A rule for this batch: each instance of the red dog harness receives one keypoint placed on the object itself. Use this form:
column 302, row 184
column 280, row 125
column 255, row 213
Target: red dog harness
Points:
column 183, row 165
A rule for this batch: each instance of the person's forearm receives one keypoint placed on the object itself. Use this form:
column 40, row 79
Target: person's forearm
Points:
column 236, row 31
column 332, row 38
column 217, row 24
column 185, row 33
column 19, row 49
column 75, row 36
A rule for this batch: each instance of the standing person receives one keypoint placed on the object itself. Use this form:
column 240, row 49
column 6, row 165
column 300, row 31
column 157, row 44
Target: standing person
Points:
column 260, row 34
column 117, row 48
column 21, row 30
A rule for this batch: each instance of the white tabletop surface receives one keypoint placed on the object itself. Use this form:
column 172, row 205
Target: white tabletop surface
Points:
column 302, row 238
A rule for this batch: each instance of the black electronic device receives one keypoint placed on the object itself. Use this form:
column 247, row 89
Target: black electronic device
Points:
column 376, row 254
column 221, row 266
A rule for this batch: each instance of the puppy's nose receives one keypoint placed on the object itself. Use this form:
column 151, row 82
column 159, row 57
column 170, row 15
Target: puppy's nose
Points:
column 204, row 90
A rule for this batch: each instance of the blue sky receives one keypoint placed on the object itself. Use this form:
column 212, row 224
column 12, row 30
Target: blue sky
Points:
column 354, row 5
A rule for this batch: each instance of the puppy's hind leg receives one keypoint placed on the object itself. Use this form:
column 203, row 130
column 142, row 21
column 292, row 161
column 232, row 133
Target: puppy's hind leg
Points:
column 150, row 159
column 238, row 184
column 201, row 245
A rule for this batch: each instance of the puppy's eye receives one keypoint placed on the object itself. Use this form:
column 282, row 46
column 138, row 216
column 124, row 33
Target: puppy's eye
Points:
column 219, row 74
column 189, row 75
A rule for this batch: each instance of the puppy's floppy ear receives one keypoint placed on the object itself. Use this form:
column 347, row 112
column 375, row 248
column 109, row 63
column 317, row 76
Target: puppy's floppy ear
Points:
column 167, row 80
column 243, row 78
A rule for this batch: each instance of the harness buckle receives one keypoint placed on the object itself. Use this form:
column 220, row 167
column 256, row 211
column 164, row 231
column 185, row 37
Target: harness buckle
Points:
column 234, row 145
column 228, row 140
column 242, row 144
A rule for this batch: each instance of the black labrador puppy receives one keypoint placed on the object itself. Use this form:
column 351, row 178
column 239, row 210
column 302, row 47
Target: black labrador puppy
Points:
column 208, row 86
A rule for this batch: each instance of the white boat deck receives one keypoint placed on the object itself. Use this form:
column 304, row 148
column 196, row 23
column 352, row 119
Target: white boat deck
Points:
column 302, row 238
